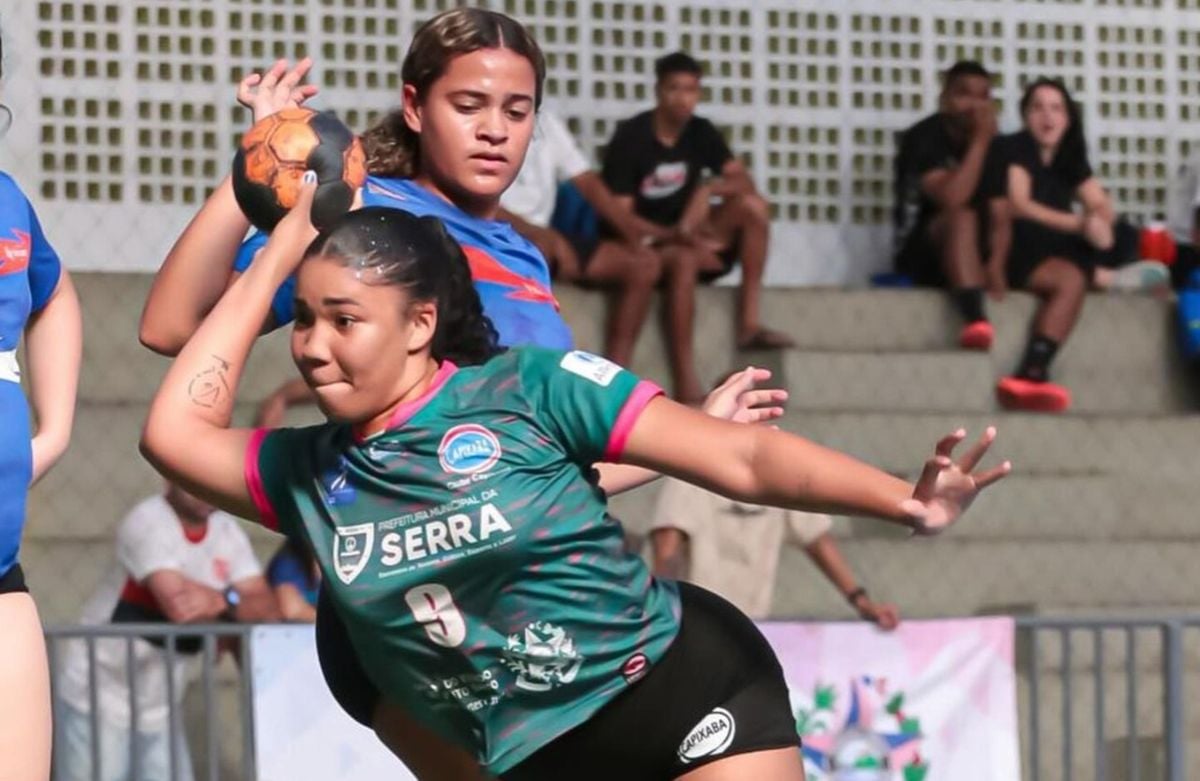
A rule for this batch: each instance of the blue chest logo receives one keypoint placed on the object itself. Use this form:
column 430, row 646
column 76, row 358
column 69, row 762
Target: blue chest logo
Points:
column 336, row 482
column 468, row 449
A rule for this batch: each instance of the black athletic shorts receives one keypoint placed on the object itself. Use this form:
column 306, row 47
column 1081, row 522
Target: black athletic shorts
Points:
column 13, row 581
column 717, row 692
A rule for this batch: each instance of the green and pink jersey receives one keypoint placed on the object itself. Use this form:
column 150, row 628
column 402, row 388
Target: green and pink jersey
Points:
column 470, row 552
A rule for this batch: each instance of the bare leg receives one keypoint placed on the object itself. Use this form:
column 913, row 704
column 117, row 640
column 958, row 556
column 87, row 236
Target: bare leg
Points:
column 25, row 725
column 780, row 764
column 633, row 272
column 423, row 751
column 956, row 233
column 746, row 220
column 682, row 264
column 1062, row 287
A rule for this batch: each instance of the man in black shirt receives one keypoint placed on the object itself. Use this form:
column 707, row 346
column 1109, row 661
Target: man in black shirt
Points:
column 675, row 169
column 951, row 212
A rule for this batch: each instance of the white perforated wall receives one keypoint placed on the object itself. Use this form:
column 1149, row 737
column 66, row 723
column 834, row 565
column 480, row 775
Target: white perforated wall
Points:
column 125, row 113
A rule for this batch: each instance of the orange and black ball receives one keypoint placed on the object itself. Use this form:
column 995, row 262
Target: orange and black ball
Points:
column 275, row 153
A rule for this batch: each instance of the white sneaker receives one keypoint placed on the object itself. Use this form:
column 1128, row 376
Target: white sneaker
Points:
column 1141, row 276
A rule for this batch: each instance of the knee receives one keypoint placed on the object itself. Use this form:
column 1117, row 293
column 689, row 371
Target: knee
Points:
column 962, row 218
column 647, row 267
column 754, row 208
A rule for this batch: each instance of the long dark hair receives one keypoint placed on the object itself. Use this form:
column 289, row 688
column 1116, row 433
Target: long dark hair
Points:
column 1072, row 151
column 392, row 148
column 388, row 246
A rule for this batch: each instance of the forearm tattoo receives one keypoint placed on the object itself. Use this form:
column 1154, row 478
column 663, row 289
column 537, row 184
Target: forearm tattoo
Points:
column 210, row 388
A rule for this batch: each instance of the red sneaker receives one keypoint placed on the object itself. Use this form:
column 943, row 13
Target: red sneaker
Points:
column 1032, row 396
column 977, row 335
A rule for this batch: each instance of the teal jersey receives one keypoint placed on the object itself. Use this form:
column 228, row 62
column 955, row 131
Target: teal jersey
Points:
column 469, row 550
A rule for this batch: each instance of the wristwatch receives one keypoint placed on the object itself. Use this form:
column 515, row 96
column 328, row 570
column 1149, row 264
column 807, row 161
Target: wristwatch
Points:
column 854, row 595
column 232, row 600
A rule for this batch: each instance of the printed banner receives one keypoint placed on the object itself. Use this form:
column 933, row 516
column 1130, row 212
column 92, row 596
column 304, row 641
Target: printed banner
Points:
column 932, row 701
column 299, row 730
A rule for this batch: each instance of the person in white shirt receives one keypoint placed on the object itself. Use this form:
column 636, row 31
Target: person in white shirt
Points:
column 732, row 549
column 178, row 561
column 1183, row 221
column 627, row 262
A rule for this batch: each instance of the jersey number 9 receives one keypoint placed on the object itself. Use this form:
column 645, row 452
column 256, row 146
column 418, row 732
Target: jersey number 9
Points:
column 432, row 605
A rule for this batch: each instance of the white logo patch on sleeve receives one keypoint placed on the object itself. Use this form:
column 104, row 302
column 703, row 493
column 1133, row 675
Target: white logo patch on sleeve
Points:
column 711, row 736
column 590, row 367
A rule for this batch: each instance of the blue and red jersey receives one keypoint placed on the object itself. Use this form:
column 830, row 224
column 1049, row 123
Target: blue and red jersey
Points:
column 510, row 274
column 29, row 272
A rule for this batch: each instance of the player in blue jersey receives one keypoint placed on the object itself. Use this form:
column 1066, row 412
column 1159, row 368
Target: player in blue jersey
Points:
column 37, row 301
column 449, row 500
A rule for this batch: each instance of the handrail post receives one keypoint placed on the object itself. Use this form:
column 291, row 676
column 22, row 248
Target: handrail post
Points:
column 1173, row 700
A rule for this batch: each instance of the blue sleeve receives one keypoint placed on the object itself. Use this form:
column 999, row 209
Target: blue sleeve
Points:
column 44, row 265
column 281, row 305
column 286, row 568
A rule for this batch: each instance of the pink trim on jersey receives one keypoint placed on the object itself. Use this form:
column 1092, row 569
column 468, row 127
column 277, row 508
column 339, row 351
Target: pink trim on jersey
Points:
column 637, row 401
column 254, row 481
column 405, row 411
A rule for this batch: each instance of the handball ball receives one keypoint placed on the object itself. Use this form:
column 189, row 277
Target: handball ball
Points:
column 276, row 152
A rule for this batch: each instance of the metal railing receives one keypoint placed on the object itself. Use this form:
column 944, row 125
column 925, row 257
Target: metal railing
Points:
column 1055, row 656
column 1105, row 640
column 169, row 635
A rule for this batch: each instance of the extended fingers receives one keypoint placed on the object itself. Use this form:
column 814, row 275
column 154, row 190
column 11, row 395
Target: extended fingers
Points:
column 929, row 475
column 294, row 76
column 946, row 444
column 986, row 478
column 972, row 457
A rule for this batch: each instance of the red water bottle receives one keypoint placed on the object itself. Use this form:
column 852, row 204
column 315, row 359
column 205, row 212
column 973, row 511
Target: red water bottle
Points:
column 1157, row 243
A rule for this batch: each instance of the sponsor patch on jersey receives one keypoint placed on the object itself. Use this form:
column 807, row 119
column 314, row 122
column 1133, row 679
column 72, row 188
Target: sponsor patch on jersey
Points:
column 590, row 367
column 14, row 253
column 635, row 667
column 710, row 737
column 352, row 550
column 665, row 180
column 468, row 449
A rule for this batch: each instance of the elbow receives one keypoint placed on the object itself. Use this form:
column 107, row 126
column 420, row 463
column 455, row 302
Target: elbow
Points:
column 160, row 339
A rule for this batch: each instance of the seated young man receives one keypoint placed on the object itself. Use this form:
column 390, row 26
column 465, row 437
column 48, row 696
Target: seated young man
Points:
column 673, row 168
column 624, row 262
column 951, row 210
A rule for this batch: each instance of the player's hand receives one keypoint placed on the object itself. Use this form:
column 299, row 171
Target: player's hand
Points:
column 279, row 88
column 883, row 615
column 997, row 281
column 947, row 487
column 1098, row 231
column 983, row 120
column 295, row 231
column 739, row 400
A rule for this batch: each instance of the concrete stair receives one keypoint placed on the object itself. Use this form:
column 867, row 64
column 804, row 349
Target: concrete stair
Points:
column 1098, row 514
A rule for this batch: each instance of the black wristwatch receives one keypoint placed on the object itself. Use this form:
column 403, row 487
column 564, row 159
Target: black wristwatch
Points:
column 232, row 600
column 853, row 596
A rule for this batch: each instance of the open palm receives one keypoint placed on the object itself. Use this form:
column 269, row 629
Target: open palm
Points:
column 947, row 487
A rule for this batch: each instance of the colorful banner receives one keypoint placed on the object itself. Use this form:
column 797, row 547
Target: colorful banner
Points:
column 932, row 701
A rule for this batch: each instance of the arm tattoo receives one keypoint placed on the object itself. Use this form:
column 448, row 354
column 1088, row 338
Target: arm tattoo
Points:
column 210, row 388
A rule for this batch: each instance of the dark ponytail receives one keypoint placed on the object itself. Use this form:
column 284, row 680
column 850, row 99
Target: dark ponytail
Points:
column 393, row 148
column 386, row 246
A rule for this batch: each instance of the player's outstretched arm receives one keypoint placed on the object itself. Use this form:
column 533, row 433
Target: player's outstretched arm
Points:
column 54, row 339
column 737, row 399
column 187, row 436
column 765, row 466
column 199, row 267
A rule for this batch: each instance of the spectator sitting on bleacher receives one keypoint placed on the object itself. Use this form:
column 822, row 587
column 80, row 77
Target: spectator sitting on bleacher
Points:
column 732, row 549
column 624, row 262
column 178, row 561
column 1183, row 222
column 670, row 166
column 1057, row 252
column 950, row 210
column 295, row 579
